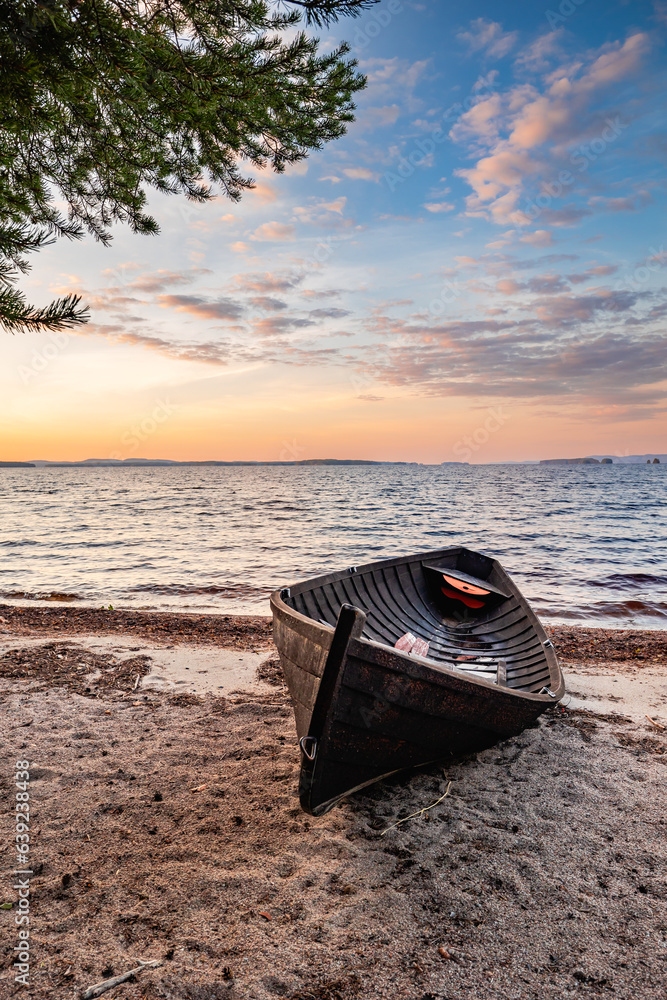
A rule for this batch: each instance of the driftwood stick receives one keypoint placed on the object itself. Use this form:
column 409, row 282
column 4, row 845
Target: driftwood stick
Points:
column 420, row 812
column 658, row 725
column 108, row 984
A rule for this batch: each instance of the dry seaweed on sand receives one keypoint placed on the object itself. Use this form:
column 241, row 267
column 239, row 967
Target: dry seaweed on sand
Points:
column 606, row 645
column 66, row 664
column 230, row 631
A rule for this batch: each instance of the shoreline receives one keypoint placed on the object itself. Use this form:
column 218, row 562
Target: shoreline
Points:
column 229, row 631
column 579, row 642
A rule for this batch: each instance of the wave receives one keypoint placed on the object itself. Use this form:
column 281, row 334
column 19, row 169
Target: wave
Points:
column 617, row 610
column 234, row 590
column 53, row 595
column 621, row 581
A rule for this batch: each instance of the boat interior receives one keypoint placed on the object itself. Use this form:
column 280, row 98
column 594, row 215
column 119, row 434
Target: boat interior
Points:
column 453, row 608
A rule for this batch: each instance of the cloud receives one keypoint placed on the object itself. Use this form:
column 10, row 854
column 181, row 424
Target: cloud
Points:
column 603, row 269
column 263, row 192
column 239, row 247
column 488, row 36
column 208, row 352
column 508, row 286
column 266, row 282
column 393, row 77
column 319, row 213
column 547, row 284
column 582, row 308
column 439, row 206
column 334, row 206
column 268, row 303
column 548, row 259
column 273, row 326
column 322, row 293
column 631, row 203
column 372, row 118
column 482, row 123
column 593, row 272
column 361, row 174
column 527, row 357
column 274, row 232
column 521, row 137
column 538, row 238
column 298, row 169
column 386, row 217
column 331, row 313
column 568, row 215
column 204, row 308
column 485, row 82
column 156, row 281
column 130, row 265
column 538, row 55
column 572, row 310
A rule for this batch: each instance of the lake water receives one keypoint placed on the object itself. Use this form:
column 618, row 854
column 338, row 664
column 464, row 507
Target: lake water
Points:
column 584, row 543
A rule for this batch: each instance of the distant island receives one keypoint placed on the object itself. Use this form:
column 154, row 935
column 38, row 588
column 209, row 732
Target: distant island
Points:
column 139, row 463
column 576, row 461
column 94, row 463
column 607, row 460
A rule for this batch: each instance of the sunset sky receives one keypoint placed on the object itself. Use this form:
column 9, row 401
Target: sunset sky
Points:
column 477, row 271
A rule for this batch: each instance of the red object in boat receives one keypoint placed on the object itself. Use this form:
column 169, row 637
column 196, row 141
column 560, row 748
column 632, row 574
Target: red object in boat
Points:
column 468, row 588
column 458, row 595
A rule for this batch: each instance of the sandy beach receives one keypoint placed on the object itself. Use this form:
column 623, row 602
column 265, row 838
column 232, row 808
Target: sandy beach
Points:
column 166, row 826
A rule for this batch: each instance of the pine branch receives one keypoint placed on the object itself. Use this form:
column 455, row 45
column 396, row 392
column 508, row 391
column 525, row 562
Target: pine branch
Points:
column 102, row 99
column 323, row 12
column 17, row 316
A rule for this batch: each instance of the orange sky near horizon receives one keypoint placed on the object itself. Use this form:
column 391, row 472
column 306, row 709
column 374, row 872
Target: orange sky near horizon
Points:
column 331, row 423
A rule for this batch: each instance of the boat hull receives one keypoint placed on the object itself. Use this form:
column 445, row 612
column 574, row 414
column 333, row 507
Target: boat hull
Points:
column 365, row 710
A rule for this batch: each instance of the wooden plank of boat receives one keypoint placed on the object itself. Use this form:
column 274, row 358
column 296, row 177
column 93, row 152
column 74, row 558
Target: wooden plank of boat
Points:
column 408, row 661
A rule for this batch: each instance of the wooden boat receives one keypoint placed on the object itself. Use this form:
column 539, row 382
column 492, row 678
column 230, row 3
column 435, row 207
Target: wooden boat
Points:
column 473, row 665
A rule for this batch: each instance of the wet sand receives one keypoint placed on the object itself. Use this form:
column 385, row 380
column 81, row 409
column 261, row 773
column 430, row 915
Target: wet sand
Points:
column 166, row 825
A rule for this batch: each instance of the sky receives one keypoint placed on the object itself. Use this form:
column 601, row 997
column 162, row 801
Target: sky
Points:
column 476, row 272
